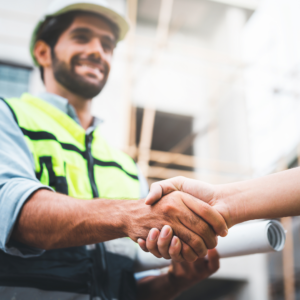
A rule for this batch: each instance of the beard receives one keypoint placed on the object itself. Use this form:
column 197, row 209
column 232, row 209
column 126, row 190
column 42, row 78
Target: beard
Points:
column 65, row 74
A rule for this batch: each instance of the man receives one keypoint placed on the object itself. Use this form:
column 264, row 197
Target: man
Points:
column 54, row 162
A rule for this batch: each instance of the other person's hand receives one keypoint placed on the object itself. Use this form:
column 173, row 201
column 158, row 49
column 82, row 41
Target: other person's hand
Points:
column 181, row 212
column 208, row 193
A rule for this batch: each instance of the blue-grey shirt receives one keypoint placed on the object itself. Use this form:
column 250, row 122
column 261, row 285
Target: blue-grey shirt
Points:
column 17, row 176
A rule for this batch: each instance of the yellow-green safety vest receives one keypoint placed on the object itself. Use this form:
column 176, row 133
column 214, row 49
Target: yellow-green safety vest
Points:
column 70, row 161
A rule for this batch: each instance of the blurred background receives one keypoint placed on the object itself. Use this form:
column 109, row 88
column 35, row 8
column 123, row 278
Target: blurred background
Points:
column 207, row 89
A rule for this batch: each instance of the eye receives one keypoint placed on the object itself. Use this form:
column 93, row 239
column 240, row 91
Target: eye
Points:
column 107, row 47
column 81, row 38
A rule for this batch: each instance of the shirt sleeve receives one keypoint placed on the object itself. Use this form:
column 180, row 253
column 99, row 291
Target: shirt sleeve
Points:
column 144, row 187
column 17, row 181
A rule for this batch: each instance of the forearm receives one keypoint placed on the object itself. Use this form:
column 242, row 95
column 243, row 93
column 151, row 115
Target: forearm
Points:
column 50, row 220
column 273, row 196
column 158, row 287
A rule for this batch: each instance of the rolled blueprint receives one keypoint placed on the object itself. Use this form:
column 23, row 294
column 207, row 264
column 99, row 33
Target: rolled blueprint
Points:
column 243, row 239
column 251, row 238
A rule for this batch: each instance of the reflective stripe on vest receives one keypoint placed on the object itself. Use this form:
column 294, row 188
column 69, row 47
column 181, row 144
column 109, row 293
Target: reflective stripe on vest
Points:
column 82, row 166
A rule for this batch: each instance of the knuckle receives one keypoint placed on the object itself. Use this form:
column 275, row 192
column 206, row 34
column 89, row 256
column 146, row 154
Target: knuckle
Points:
column 173, row 196
column 186, row 237
column 188, row 254
column 168, row 207
column 179, row 178
column 175, row 252
column 153, row 185
column 193, row 219
column 213, row 244
column 208, row 234
column 151, row 246
column 156, row 255
column 162, row 244
column 190, row 258
column 199, row 247
column 166, row 256
column 205, row 209
column 204, row 227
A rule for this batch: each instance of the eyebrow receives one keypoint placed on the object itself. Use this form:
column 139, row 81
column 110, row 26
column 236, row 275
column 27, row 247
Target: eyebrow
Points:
column 89, row 31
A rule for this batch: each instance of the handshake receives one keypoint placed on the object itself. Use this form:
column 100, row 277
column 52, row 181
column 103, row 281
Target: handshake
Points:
column 182, row 220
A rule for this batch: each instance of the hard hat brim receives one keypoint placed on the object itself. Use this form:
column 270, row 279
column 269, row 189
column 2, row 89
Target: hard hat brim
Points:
column 108, row 13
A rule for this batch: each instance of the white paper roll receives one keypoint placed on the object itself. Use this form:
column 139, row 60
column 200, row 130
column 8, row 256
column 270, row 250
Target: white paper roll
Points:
column 252, row 237
column 243, row 239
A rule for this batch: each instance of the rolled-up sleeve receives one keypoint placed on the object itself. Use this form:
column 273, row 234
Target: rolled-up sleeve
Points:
column 17, row 181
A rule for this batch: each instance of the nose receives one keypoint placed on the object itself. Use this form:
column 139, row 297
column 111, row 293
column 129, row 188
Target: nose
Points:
column 95, row 48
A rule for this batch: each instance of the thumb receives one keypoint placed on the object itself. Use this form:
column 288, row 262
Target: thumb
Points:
column 155, row 194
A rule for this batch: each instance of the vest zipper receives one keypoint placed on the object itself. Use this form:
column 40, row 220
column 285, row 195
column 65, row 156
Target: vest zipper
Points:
column 101, row 253
column 90, row 160
column 103, row 263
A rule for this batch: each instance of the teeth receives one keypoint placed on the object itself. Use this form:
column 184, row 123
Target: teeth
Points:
column 91, row 67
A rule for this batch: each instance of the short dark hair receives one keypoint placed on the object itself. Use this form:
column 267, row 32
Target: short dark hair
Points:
column 54, row 26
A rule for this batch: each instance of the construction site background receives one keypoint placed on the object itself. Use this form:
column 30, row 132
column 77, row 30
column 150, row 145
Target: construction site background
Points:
column 207, row 89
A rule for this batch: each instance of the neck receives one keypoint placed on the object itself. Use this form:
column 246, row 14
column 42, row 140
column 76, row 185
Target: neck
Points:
column 81, row 105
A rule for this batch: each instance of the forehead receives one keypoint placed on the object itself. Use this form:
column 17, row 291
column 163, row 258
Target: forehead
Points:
column 95, row 24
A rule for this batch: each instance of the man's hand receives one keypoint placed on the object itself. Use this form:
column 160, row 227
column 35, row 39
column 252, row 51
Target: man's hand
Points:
column 184, row 274
column 180, row 277
column 181, row 212
column 165, row 245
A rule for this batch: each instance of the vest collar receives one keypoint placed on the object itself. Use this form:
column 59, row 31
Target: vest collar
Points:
column 59, row 116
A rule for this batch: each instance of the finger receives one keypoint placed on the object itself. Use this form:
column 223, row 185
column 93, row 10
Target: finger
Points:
column 194, row 241
column 151, row 242
column 175, row 250
column 207, row 213
column 142, row 244
column 164, row 241
column 194, row 225
column 188, row 253
column 164, row 187
column 213, row 260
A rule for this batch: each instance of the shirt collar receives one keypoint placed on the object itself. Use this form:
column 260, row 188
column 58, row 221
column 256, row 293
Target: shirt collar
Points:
column 63, row 105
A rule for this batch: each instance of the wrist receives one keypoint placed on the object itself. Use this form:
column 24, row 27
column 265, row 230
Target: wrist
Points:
column 133, row 212
column 230, row 204
column 111, row 216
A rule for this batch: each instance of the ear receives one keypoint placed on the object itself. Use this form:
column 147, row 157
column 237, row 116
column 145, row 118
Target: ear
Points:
column 42, row 53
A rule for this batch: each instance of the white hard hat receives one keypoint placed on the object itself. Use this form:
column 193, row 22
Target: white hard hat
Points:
column 100, row 7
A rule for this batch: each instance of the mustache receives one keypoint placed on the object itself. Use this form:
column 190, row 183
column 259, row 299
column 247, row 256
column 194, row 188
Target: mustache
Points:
column 91, row 59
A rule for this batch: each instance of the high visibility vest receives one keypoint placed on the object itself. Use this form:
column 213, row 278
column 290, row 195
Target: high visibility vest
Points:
column 79, row 165
column 83, row 166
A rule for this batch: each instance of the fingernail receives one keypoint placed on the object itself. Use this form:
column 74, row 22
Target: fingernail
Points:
column 153, row 234
column 174, row 241
column 165, row 231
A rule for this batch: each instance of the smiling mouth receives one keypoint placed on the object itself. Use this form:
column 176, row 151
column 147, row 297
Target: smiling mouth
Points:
column 92, row 69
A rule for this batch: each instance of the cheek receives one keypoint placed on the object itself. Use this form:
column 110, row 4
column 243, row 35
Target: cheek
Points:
column 108, row 60
column 65, row 52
